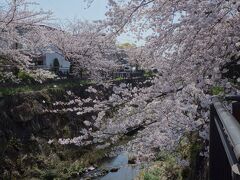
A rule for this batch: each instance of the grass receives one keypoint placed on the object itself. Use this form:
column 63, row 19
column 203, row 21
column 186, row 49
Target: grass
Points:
column 60, row 85
column 4, row 91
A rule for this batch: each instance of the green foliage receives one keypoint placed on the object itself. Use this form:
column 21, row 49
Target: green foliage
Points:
column 119, row 79
column 41, row 87
column 11, row 91
column 189, row 148
column 166, row 156
column 126, row 45
column 166, row 165
column 148, row 74
column 216, row 90
column 49, row 175
column 56, row 63
column 150, row 176
column 1, row 76
column 75, row 168
column 24, row 76
column 66, row 131
column 14, row 143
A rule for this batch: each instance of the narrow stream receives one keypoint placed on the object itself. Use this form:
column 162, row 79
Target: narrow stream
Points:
column 125, row 171
column 116, row 168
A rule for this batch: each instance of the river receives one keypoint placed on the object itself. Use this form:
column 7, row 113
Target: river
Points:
column 115, row 168
column 125, row 170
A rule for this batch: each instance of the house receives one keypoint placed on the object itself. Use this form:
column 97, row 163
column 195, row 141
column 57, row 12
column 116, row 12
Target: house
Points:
column 48, row 58
column 53, row 60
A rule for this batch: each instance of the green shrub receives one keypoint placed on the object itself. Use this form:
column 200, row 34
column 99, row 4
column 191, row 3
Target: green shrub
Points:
column 148, row 74
column 56, row 63
column 119, row 78
column 216, row 90
column 24, row 76
column 75, row 168
column 49, row 174
column 166, row 165
column 149, row 176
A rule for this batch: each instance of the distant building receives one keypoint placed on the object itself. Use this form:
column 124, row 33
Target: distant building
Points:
column 124, row 69
column 53, row 60
column 49, row 58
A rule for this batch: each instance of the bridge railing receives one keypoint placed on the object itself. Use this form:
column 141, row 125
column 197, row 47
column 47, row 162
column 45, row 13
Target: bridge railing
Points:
column 224, row 150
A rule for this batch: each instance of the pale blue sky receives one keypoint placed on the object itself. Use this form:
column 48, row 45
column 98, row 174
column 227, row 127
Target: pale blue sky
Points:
column 64, row 10
column 70, row 9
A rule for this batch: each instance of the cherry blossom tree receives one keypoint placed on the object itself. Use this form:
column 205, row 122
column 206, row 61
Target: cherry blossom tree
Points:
column 137, row 56
column 86, row 45
column 189, row 44
column 17, row 22
column 24, row 35
column 21, row 36
column 191, row 36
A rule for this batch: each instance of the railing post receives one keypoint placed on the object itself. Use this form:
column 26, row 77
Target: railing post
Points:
column 236, row 110
column 219, row 168
column 235, row 176
column 236, row 114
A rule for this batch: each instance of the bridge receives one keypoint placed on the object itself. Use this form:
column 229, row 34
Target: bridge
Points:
column 224, row 152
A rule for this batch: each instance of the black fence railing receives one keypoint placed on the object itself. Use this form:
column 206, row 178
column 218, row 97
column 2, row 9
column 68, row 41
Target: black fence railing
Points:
column 127, row 74
column 224, row 150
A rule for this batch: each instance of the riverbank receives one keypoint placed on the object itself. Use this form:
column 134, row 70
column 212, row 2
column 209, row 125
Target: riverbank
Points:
column 84, row 130
column 185, row 162
column 32, row 125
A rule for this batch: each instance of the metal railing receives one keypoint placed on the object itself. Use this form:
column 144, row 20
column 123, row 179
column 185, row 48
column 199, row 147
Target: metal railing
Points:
column 224, row 150
column 45, row 67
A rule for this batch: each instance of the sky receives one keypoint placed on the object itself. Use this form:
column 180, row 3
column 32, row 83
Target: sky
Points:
column 64, row 10
column 70, row 9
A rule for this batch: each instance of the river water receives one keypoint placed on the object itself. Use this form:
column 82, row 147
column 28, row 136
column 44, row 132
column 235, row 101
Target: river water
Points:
column 125, row 171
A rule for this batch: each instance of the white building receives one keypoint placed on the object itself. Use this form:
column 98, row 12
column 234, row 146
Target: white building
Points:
column 48, row 61
column 47, row 57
